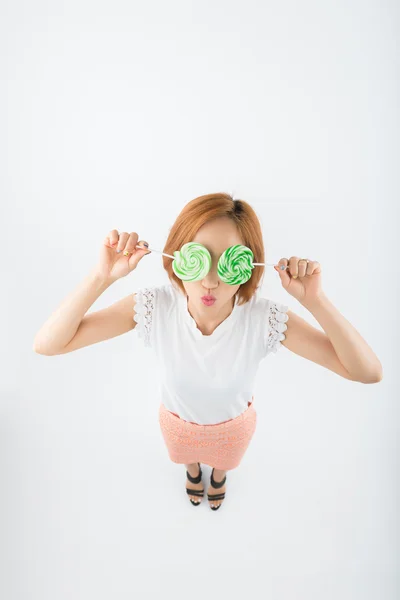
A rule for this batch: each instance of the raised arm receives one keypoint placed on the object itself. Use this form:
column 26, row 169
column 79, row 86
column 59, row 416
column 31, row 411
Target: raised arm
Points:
column 69, row 327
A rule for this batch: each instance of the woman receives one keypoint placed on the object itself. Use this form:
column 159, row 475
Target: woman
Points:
column 209, row 336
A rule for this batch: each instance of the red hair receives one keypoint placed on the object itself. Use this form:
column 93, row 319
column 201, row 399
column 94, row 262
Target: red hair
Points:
column 202, row 210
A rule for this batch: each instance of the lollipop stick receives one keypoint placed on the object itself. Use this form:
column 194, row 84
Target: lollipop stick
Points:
column 153, row 250
column 267, row 265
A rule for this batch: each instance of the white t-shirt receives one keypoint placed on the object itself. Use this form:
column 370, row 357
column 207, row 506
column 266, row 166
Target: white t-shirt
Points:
column 207, row 379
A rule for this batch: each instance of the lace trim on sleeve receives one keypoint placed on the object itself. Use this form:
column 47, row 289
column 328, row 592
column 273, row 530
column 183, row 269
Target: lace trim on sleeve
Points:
column 143, row 313
column 277, row 317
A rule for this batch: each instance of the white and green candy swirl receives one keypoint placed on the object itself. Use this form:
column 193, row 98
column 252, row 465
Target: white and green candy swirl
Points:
column 235, row 265
column 193, row 262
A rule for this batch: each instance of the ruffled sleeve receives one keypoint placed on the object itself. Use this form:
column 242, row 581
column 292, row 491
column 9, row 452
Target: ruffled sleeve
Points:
column 143, row 313
column 276, row 324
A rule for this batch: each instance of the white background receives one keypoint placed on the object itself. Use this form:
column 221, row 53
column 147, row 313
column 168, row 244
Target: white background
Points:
column 115, row 115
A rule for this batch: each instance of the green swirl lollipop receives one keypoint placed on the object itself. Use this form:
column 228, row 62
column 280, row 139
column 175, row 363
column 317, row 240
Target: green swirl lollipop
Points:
column 192, row 262
column 235, row 265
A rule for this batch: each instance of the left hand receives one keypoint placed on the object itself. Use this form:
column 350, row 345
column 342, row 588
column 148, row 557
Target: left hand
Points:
column 301, row 280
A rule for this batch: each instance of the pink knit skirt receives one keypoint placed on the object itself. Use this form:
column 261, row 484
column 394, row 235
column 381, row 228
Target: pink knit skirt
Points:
column 221, row 445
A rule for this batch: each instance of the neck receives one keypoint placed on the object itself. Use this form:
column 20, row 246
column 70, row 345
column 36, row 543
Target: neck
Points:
column 209, row 317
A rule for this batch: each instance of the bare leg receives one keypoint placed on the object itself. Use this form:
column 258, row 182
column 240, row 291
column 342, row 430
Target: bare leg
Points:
column 193, row 470
column 218, row 476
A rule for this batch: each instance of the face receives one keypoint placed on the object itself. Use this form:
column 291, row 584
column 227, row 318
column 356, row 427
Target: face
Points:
column 216, row 236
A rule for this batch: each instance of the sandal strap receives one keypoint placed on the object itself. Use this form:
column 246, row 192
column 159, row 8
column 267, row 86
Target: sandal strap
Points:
column 217, row 484
column 194, row 492
column 216, row 496
column 195, row 479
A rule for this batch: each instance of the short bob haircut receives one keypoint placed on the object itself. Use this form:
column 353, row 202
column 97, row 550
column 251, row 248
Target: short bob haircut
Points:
column 205, row 208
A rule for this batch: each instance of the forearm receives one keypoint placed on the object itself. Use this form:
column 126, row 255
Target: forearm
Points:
column 352, row 350
column 62, row 325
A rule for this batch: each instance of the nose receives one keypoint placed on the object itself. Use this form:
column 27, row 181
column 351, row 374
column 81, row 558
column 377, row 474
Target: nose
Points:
column 211, row 280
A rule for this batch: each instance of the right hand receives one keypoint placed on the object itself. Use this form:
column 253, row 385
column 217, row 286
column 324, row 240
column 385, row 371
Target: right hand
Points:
column 113, row 265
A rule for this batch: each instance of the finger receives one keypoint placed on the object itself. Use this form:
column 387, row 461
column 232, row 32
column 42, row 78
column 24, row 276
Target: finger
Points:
column 113, row 237
column 130, row 246
column 302, row 267
column 142, row 243
column 123, row 238
column 135, row 257
column 283, row 271
column 283, row 264
column 316, row 267
column 293, row 266
column 310, row 267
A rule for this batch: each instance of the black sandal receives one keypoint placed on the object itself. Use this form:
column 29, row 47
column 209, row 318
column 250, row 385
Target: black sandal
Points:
column 216, row 484
column 195, row 492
